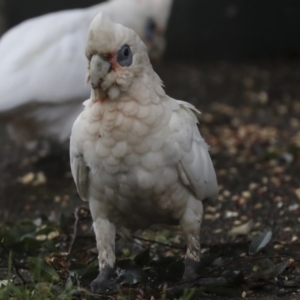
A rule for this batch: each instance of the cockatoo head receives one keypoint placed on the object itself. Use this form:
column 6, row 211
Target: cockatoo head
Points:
column 148, row 18
column 116, row 56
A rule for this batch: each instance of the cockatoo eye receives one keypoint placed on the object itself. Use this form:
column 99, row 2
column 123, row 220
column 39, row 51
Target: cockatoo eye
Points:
column 150, row 29
column 124, row 57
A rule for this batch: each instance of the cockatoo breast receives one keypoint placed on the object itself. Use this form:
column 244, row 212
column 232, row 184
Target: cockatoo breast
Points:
column 132, row 162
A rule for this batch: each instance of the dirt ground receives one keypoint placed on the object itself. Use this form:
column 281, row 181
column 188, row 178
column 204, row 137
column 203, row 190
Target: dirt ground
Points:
column 250, row 118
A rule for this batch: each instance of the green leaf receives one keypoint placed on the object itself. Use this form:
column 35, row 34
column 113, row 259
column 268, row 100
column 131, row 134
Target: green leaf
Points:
column 272, row 272
column 260, row 241
column 41, row 270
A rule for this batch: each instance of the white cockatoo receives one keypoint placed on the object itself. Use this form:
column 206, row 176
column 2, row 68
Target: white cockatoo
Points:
column 42, row 66
column 136, row 154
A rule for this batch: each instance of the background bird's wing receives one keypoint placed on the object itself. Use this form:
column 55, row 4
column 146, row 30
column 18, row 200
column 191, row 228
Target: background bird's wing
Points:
column 42, row 59
column 79, row 168
column 195, row 166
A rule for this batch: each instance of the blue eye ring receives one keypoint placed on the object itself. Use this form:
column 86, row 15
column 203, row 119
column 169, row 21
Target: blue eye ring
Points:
column 125, row 56
column 150, row 29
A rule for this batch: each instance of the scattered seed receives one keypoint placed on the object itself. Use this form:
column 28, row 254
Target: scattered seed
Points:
column 28, row 178
column 258, row 206
column 231, row 214
column 278, row 247
column 211, row 209
column 52, row 235
column 57, row 199
column 244, row 218
column 40, row 179
column 41, row 237
column 243, row 229
column 246, row 194
column 294, row 238
column 226, row 193
column 209, row 217
column 253, row 186
column 237, row 222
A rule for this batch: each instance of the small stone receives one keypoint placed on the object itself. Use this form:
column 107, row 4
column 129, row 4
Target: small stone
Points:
column 293, row 207
column 219, row 230
column 244, row 294
column 279, row 205
column 287, row 229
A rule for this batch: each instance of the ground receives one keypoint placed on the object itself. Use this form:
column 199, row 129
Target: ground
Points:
column 250, row 118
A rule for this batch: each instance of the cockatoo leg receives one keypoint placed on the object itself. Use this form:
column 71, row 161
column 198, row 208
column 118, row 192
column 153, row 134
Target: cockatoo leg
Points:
column 191, row 225
column 105, row 232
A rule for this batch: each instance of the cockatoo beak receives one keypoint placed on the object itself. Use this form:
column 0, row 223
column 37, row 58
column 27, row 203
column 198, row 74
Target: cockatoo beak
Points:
column 98, row 69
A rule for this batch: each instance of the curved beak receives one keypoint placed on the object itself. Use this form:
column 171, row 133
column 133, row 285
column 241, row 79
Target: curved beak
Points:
column 98, row 69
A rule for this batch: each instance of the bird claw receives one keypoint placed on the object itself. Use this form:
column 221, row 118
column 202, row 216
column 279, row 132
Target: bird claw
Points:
column 190, row 273
column 190, row 270
column 104, row 281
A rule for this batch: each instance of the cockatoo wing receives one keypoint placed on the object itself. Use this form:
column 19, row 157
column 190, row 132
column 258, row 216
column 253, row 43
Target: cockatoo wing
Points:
column 79, row 168
column 195, row 166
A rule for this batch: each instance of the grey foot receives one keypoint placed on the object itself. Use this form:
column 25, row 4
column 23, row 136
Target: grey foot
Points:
column 190, row 270
column 190, row 273
column 104, row 281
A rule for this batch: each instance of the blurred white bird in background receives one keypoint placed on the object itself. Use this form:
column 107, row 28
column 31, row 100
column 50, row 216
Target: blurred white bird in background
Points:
column 2, row 18
column 43, row 67
column 136, row 154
